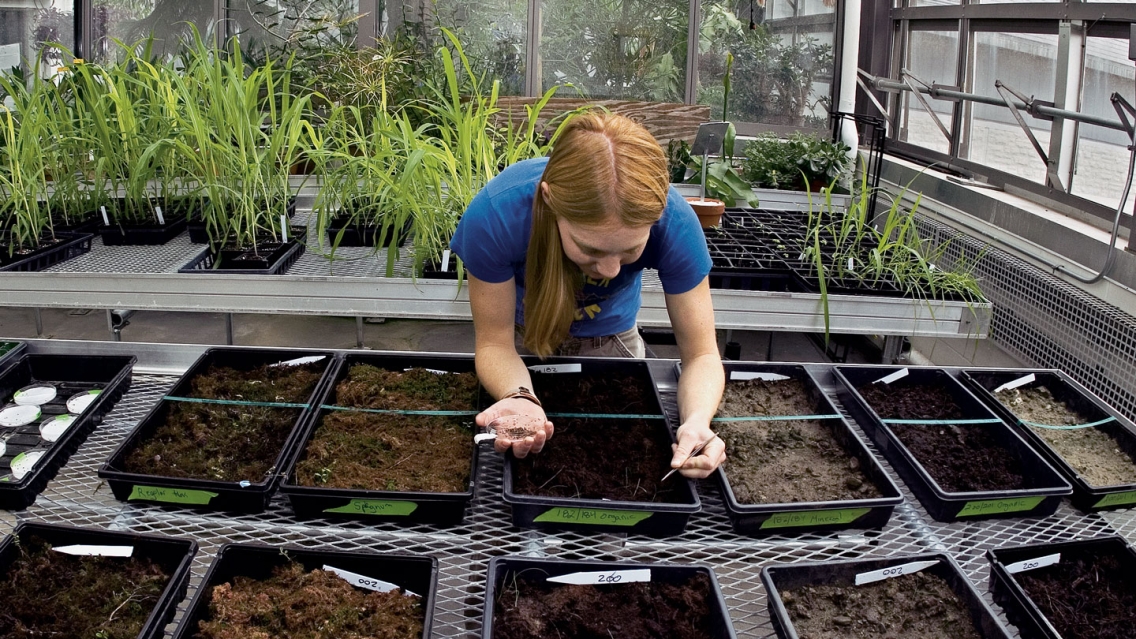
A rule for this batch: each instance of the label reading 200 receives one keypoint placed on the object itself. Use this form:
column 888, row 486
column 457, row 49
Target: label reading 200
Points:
column 605, row 577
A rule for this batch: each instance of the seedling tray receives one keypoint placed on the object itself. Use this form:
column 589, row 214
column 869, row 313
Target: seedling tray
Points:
column 418, row 574
column 1086, row 496
column 502, row 569
column 798, row 517
column 1020, row 609
column 597, row 515
column 174, row 555
column 288, row 254
column 365, row 234
column 778, row 578
column 70, row 245
column 1040, row 499
column 145, row 235
column 197, row 230
column 377, row 505
column 238, row 496
column 10, row 350
column 71, row 375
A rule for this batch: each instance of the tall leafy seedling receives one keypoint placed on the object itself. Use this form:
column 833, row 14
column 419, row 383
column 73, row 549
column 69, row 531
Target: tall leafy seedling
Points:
column 23, row 185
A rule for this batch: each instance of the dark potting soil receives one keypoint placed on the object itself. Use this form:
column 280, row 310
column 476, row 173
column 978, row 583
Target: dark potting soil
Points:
column 367, row 451
column 919, row 605
column 618, row 459
column 597, row 393
column 911, row 401
column 368, row 386
column 1085, row 596
column 226, row 442
column 529, row 607
column 309, row 605
column 963, row 458
column 50, row 594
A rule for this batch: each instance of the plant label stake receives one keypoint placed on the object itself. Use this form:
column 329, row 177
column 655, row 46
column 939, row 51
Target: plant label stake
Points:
column 284, row 227
column 892, row 572
column 1033, row 564
column 95, row 551
column 898, row 375
column 556, row 368
column 106, row 220
column 1021, row 381
column 363, row 581
column 158, row 212
column 445, row 260
column 299, row 360
column 603, row 577
column 742, row 376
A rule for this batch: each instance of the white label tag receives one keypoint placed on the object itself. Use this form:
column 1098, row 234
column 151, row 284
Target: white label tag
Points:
column 556, row 368
column 1031, row 564
column 299, row 360
column 363, row 581
column 741, row 376
column 96, row 551
column 284, row 227
column 106, row 220
column 445, row 260
column 484, row 437
column 892, row 571
column 603, row 577
column 1021, row 381
column 849, row 264
column 887, row 379
column 158, row 212
column 430, row 370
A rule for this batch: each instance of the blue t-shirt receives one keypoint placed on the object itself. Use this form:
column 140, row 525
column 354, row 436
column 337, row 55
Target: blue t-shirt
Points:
column 493, row 240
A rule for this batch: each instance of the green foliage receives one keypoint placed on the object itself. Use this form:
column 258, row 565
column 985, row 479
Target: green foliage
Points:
column 798, row 163
column 722, row 179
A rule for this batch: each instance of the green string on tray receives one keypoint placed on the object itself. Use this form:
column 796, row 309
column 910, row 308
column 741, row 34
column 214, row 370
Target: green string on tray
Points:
column 1076, row 427
column 396, row 411
column 942, row 422
column 232, row 402
column 775, row 418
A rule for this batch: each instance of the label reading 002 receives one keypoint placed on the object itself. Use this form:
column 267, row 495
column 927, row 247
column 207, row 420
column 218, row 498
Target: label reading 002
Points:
column 892, row 571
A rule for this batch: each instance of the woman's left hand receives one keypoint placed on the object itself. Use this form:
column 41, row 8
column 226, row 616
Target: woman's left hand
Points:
column 690, row 435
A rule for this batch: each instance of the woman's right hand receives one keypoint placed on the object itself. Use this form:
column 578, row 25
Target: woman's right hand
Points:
column 526, row 410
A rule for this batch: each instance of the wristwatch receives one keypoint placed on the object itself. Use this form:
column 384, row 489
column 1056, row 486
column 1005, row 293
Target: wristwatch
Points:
column 524, row 393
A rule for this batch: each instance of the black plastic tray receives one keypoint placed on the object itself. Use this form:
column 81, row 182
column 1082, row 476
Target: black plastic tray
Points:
column 377, row 505
column 70, row 374
column 1087, row 497
column 173, row 554
column 198, row 234
column 1040, row 500
column 10, row 350
column 71, row 245
column 363, row 234
column 243, row 496
column 500, row 567
column 777, row 577
column 418, row 574
column 1019, row 607
column 148, row 235
column 797, row 517
column 596, row 515
column 203, row 262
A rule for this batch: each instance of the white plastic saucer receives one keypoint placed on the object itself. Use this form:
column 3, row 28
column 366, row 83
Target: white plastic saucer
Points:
column 52, row 428
column 14, row 415
column 34, row 395
column 80, row 401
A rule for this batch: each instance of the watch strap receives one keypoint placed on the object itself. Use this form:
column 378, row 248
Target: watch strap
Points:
column 523, row 393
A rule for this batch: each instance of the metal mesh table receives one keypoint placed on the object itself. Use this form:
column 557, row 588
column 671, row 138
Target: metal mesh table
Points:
column 77, row 497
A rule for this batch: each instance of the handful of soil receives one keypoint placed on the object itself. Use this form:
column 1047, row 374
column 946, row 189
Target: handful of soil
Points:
column 50, row 594
column 318, row 604
column 532, row 608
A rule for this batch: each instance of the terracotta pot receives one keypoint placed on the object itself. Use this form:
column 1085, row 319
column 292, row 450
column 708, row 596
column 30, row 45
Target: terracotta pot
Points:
column 709, row 211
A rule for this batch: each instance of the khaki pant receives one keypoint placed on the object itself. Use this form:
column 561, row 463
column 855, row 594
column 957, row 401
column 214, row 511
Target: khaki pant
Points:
column 625, row 344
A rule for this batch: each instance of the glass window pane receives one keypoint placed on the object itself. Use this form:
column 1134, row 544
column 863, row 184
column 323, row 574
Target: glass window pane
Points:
column 926, row 3
column 166, row 20
column 25, row 27
column 782, row 74
column 1027, row 63
column 932, row 56
column 629, row 49
column 279, row 28
column 1102, row 154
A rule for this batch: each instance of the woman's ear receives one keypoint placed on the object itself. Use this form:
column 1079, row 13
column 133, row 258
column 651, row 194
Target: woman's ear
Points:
column 545, row 193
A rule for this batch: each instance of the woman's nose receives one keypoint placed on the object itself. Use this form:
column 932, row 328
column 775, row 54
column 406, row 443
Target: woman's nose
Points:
column 608, row 266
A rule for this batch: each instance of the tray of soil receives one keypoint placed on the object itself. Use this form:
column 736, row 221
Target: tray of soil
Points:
column 441, row 269
column 174, row 219
column 220, row 437
column 600, row 600
column 266, row 258
column 580, row 481
column 364, row 234
column 1071, row 590
column 790, row 476
column 50, row 592
column 51, row 251
column 199, row 234
column 956, row 456
column 265, row 591
column 389, row 466
column 1091, row 444
column 48, row 406
column 922, row 596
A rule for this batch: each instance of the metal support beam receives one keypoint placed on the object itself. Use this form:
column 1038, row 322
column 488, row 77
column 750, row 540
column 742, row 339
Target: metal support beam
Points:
column 359, row 331
column 893, row 349
column 38, row 321
column 229, row 329
column 907, row 80
column 1066, row 95
column 532, row 51
column 694, row 21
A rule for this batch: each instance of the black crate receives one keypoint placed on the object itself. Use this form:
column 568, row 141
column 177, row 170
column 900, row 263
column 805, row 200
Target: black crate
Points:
column 281, row 260
column 377, row 505
column 198, row 234
column 70, row 245
column 1087, row 497
column 70, row 374
column 173, row 554
column 143, row 235
column 501, row 568
column 798, row 517
column 364, row 233
column 1019, row 607
column 778, row 577
column 240, row 496
column 418, row 574
column 596, row 515
column 1039, row 500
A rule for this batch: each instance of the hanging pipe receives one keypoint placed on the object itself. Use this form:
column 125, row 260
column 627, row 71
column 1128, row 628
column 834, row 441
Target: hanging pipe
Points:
column 849, row 65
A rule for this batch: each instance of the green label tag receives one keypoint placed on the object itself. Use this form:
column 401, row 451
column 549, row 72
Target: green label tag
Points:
column 994, row 506
column 171, row 495
column 375, row 507
column 1115, row 499
column 592, row 516
column 814, row 518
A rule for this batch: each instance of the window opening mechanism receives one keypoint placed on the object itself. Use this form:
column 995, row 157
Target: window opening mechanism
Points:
column 1007, row 93
column 907, row 77
column 860, row 75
